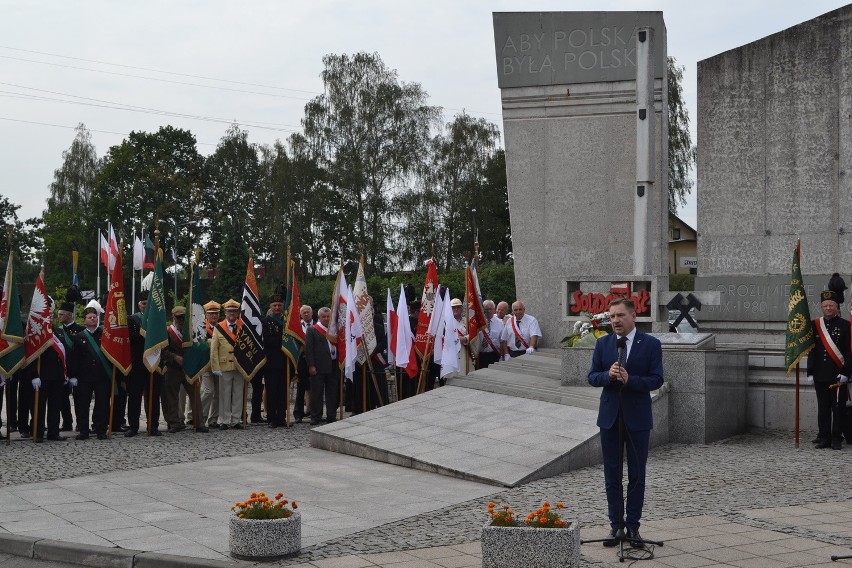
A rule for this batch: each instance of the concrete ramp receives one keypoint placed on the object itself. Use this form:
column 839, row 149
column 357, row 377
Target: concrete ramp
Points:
column 506, row 425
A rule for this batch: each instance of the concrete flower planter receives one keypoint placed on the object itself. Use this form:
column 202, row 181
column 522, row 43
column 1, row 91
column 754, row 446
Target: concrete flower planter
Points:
column 251, row 539
column 523, row 546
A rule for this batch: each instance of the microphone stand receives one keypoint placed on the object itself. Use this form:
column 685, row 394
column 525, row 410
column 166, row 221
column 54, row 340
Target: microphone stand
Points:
column 621, row 535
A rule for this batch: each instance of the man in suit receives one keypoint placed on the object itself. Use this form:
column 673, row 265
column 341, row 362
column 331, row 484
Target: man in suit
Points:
column 321, row 356
column 303, row 389
column 90, row 376
column 628, row 365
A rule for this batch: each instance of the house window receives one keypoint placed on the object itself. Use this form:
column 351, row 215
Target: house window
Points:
column 676, row 234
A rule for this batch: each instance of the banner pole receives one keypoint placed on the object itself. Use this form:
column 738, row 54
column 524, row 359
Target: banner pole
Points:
column 111, row 403
column 797, row 404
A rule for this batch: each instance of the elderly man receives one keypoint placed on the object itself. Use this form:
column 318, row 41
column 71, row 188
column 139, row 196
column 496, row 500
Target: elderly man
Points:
column 175, row 377
column 224, row 366
column 209, row 381
column 321, row 355
column 489, row 353
column 465, row 364
column 521, row 334
column 302, row 406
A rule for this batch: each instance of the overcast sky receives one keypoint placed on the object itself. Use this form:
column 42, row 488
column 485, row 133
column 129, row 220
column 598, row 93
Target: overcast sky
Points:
column 258, row 62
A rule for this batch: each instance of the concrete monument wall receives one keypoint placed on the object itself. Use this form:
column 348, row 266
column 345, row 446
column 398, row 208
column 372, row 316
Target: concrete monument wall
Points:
column 774, row 164
column 569, row 96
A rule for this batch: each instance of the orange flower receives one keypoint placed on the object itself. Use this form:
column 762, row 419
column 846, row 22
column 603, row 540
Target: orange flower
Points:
column 279, row 496
column 294, row 505
column 241, row 516
column 545, row 504
column 560, row 505
column 253, row 495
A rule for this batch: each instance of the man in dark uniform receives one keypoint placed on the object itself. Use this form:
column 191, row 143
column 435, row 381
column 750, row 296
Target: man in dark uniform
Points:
column 274, row 372
column 48, row 375
column 830, row 365
column 321, row 355
column 89, row 375
column 138, row 381
column 66, row 329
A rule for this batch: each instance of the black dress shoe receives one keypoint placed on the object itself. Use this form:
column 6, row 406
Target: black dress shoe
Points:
column 823, row 444
column 39, row 440
column 315, row 422
column 102, row 436
column 203, row 429
column 238, row 426
column 173, row 430
column 614, row 536
column 298, row 420
column 155, row 433
column 273, row 425
column 636, row 540
column 82, row 437
column 131, row 432
column 56, row 438
column 223, row 426
column 817, row 440
column 836, row 445
column 121, row 428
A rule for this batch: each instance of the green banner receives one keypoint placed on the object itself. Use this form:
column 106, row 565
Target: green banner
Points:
column 800, row 328
column 196, row 355
column 154, row 321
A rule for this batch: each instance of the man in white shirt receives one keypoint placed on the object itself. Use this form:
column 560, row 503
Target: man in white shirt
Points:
column 489, row 351
column 521, row 334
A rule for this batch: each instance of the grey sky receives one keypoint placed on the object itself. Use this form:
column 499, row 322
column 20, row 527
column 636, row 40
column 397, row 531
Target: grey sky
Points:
column 447, row 46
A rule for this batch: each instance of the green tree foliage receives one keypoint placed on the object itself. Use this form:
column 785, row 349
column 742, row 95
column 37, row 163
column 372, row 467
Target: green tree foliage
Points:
column 231, row 270
column 370, row 132
column 681, row 151
column 233, row 182
column 152, row 176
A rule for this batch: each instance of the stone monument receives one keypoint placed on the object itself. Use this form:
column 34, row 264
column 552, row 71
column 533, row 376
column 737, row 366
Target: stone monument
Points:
column 585, row 119
column 775, row 140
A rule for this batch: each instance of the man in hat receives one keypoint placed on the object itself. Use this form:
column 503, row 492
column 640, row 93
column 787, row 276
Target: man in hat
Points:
column 829, row 368
column 521, row 334
column 209, row 381
column 139, row 381
column 65, row 330
column 464, row 354
column 175, row 377
column 90, row 374
column 224, row 366
column 274, row 372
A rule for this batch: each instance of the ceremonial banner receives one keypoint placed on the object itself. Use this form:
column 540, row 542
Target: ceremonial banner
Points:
column 800, row 328
column 104, row 250
column 354, row 334
column 115, row 341
column 427, row 304
column 113, row 248
column 293, row 338
column 476, row 321
column 148, row 263
column 338, row 316
column 365, row 311
column 10, row 306
column 451, row 345
column 75, row 262
column 248, row 349
column 154, row 320
column 196, row 354
column 138, row 253
column 39, row 333
column 12, row 332
column 406, row 355
column 390, row 329
column 436, row 325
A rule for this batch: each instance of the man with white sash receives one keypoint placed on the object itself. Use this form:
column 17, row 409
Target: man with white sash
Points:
column 829, row 366
column 521, row 334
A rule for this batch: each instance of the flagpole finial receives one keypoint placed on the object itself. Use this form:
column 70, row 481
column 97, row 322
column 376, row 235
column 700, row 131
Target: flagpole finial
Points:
column 197, row 254
column 251, row 252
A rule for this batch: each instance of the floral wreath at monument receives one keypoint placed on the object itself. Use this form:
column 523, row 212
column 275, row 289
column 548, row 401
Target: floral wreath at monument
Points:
column 585, row 333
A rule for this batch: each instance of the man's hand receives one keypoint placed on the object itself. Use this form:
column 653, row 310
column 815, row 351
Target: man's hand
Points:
column 842, row 379
column 810, row 379
column 73, row 382
column 506, row 357
column 618, row 373
column 530, row 350
column 36, row 383
column 217, row 373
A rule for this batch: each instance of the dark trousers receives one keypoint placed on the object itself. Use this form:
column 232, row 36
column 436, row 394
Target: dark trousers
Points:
column 138, row 389
column 257, row 397
column 275, row 380
column 303, row 386
column 67, row 417
column 100, row 413
column 487, row 358
column 634, row 444
column 26, row 399
column 826, row 404
column 119, row 408
column 50, row 407
column 324, row 388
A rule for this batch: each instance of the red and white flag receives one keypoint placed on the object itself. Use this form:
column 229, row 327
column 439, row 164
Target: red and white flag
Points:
column 115, row 341
column 354, row 334
column 422, row 342
column 138, row 253
column 406, row 356
column 113, row 248
column 390, row 328
column 365, row 312
column 39, row 332
column 104, row 250
column 436, row 326
column 337, row 326
column 476, row 321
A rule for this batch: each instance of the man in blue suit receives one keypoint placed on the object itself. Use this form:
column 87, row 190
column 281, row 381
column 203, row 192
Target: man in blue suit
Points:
column 625, row 416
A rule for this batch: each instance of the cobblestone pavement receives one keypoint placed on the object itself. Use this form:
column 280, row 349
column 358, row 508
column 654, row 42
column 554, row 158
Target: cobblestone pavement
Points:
column 29, row 462
column 755, row 480
column 726, row 479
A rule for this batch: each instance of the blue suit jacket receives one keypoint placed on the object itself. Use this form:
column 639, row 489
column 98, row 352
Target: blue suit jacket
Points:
column 645, row 373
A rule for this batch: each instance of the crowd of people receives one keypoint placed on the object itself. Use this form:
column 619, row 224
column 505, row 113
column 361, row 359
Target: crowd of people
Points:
column 75, row 369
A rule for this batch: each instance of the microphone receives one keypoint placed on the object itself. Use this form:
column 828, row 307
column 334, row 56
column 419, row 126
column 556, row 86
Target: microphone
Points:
column 621, row 344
